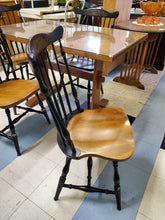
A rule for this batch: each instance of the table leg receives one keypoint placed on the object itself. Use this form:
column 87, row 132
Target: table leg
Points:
column 97, row 80
column 153, row 42
column 132, row 66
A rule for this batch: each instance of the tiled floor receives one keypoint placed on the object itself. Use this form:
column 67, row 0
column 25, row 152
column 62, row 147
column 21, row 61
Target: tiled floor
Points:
column 28, row 184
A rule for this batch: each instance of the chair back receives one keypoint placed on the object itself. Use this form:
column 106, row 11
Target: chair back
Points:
column 5, row 58
column 61, row 99
column 96, row 17
column 10, row 14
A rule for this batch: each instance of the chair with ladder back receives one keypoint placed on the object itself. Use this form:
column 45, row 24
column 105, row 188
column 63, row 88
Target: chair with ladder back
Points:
column 82, row 65
column 12, row 54
column 104, row 133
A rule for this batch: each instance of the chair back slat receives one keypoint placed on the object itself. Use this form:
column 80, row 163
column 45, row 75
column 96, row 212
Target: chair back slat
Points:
column 96, row 17
column 43, row 51
column 10, row 14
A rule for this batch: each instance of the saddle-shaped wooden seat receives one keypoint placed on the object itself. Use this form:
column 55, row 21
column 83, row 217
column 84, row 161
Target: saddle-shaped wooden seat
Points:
column 105, row 133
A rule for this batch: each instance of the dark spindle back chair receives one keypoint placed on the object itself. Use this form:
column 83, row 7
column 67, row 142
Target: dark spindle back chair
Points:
column 95, row 17
column 14, row 92
column 104, row 133
column 13, row 57
column 15, row 88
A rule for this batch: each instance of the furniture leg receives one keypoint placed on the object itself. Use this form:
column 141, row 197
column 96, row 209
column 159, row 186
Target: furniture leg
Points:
column 89, row 94
column 62, row 178
column 13, row 133
column 89, row 165
column 132, row 66
column 117, row 185
column 152, row 42
column 97, row 78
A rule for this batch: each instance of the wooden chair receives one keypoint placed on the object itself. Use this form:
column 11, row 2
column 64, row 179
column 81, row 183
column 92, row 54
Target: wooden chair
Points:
column 13, row 54
column 83, row 65
column 104, row 133
column 13, row 92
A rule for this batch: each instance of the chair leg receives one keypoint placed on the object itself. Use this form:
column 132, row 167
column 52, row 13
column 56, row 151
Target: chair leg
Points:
column 89, row 165
column 62, row 178
column 15, row 110
column 21, row 70
column 102, row 91
column 13, row 133
column 117, row 185
column 89, row 94
column 43, row 108
column 78, row 80
column 27, row 71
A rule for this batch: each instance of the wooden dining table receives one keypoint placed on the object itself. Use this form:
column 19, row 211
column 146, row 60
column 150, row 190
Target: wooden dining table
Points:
column 43, row 12
column 101, row 44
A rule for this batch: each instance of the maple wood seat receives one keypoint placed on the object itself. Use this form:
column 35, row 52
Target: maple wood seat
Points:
column 105, row 126
column 14, row 92
column 104, row 133
column 19, row 59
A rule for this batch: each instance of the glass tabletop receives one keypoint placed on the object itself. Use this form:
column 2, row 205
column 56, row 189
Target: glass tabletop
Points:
column 89, row 41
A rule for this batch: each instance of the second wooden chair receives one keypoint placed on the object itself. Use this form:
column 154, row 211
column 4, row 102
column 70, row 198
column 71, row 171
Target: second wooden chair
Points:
column 82, row 65
column 104, row 133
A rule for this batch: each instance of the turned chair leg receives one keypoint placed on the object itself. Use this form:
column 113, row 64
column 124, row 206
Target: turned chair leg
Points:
column 89, row 165
column 13, row 133
column 88, row 94
column 117, row 185
column 21, row 70
column 62, row 178
column 102, row 91
column 27, row 71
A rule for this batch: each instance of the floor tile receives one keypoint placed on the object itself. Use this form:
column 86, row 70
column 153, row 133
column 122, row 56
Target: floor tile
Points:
column 133, row 182
column 146, row 131
column 153, row 205
column 69, row 200
column 48, row 147
column 142, row 217
column 10, row 199
column 27, row 171
column 144, row 155
column 29, row 211
column 159, row 167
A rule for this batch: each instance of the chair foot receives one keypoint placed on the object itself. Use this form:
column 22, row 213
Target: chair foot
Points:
column 59, row 187
column 118, row 199
column 62, row 178
column 13, row 133
column 117, row 188
column 15, row 139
